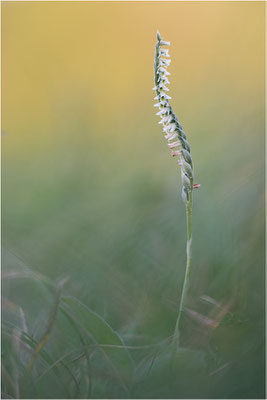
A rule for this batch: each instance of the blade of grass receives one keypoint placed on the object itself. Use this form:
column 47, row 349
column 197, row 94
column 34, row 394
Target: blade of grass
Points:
column 94, row 327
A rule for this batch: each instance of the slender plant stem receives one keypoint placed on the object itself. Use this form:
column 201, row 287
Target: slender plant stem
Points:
column 176, row 335
column 174, row 131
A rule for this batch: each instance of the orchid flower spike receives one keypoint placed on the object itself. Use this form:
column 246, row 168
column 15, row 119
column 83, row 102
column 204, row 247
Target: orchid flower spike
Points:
column 171, row 127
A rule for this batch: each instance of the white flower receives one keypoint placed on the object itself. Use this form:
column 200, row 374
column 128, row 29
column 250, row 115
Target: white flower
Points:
column 176, row 153
column 174, row 144
column 162, row 87
column 165, row 80
column 160, row 105
column 164, row 63
column 164, row 43
column 164, row 52
column 170, row 137
column 168, row 118
column 163, row 111
column 164, row 97
column 171, row 127
column 165, row 120
column 162, row 71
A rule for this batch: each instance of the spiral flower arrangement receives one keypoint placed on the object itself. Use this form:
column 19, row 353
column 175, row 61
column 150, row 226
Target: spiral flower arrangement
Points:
column 173, row 130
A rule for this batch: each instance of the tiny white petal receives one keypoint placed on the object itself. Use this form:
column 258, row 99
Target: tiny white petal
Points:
column 165, row 96
column 176, row 153
column 163, row 111
column 163, row 73
column 166, row 129
column 172, row 127
column 164, row 43
column 175, row 135
column 164, row 52
column 165, row 120
column 165, row 80
column 162, row 61
column 160, row 105
column 174, row 144
column 161, row 69
column 163, row 87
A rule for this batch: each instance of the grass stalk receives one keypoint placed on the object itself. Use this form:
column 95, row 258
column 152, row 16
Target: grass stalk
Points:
column 179, row 146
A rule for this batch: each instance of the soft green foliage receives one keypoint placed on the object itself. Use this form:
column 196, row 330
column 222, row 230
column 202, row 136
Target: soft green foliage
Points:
column 120, row 250
column 85, row 351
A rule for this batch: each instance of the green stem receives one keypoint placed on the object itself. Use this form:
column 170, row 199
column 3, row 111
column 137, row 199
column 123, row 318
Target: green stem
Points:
column 176, row 335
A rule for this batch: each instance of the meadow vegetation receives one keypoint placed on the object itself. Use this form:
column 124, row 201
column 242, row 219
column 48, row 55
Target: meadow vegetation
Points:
column 93, row 223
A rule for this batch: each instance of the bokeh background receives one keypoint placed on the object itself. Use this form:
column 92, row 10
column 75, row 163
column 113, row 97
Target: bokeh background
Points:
column 90, row 192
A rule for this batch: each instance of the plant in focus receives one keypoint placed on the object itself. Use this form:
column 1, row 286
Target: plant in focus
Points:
column 180, row 148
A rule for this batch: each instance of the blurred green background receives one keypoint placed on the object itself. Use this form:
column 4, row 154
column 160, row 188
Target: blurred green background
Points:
column 90, row 193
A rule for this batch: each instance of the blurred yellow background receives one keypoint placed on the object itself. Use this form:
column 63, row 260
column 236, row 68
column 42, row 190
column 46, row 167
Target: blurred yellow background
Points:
column 93, row 61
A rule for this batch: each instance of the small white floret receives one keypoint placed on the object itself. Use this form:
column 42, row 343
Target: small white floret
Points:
column 176, row 153
column 174, row 144
column 164, row 52
column 165, row 80
column 163, row 62
column 164, row 43
column 163, row 87
column 170, row 137
column 163, row 111
column 164, row 96
column 162, row 70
